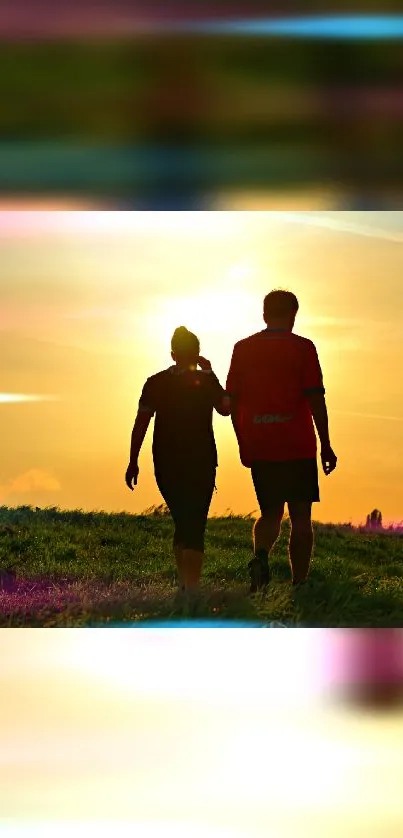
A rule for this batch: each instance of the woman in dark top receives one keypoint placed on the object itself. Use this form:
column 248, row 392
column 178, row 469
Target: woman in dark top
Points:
column 182, row 398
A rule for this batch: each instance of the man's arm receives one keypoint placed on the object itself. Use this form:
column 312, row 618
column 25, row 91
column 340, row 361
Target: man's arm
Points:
column 315, row 393
column 318, row 407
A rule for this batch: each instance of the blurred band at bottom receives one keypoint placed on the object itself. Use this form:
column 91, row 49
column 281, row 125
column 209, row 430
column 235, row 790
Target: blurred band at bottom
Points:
column 364, row 668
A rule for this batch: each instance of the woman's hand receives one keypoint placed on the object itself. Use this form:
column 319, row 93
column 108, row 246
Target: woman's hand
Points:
column 132, row 474
column 204, row 363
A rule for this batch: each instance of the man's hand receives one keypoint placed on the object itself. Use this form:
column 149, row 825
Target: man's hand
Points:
column 203, row 363
column 329, row 459
column 132, row 474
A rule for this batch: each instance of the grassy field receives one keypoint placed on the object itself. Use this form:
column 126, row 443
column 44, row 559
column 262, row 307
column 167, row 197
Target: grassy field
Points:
column 97, row 569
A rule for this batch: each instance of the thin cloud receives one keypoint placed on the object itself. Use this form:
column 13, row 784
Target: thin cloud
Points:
column 30, row 481
column 339, row 225
column 35, row 479
column 95, row 313
column 369, row 415
column 19, row 398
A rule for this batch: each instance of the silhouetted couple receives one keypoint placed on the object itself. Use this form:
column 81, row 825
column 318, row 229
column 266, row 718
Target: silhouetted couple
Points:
column 274, row 394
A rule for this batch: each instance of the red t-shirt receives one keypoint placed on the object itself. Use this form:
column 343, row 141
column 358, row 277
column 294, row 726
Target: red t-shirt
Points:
column 270, row 375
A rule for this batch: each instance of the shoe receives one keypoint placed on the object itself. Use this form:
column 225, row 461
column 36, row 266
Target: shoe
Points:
column 7, row 580
column 259, row 572
column 187, row 602
column 190, row 604
column 179, row 596
column 299, row 584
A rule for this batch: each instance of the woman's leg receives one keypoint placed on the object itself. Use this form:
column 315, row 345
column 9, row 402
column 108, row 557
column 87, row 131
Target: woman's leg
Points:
column 192, row 568
column 178, row 553
column 167, row 483
column 195, row 509
column 187, row 495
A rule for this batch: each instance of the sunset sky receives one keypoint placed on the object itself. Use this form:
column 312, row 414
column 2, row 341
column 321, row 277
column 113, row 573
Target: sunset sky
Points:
column 89, row 301
column 146, row 733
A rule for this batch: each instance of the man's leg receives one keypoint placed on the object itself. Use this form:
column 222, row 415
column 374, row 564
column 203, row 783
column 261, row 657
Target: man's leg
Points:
column 265, row 532
column 301, row 540
column 267, row 528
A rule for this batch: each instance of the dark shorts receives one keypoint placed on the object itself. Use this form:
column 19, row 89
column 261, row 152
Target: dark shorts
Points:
column 187, row 493
column 285, row 481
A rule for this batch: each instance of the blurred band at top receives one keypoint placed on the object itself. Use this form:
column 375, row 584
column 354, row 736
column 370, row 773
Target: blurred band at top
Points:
column 191, row 105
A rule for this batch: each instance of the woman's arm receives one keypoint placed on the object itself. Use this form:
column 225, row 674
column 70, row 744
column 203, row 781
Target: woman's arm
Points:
column 222, row 401
column 234, row 418
column 224, row 406
column 139, row 431
column 233, row 385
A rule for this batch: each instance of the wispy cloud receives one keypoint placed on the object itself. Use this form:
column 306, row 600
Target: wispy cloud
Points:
column 34, row 479
column 95, row 313
column 331, row 321
column 360, row 415
column 30, row 481
column 16, row 398
column 339, row 224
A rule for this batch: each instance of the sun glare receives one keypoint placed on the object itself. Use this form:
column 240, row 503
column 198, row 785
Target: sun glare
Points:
column 210, row 314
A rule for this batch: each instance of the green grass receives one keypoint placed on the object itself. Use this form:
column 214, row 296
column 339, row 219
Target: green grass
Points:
column 97, row 569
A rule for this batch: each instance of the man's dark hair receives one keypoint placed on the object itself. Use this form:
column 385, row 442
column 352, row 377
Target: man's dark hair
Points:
column 279, row 303
column 185, row 343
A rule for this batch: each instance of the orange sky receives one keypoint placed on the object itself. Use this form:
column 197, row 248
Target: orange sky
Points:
column 90, row 300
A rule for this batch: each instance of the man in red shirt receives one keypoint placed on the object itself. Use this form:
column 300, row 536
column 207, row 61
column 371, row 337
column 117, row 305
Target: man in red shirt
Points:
column 276, row 387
